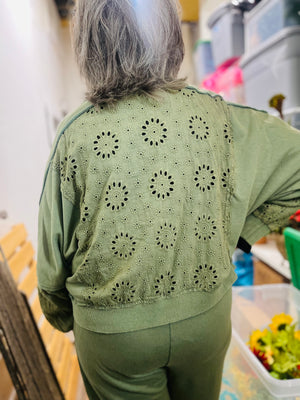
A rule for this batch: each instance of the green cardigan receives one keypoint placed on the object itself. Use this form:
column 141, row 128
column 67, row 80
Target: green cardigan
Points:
column 143, row 205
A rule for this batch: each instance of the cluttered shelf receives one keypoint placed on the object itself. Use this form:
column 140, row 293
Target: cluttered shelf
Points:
column 269, row 254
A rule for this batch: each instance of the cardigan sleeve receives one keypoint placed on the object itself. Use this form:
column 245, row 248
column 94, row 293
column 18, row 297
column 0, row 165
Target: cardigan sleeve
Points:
column 267, row 163
column 56, row 246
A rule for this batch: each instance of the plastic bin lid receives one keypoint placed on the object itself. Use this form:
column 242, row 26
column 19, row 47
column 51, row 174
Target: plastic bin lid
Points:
column 292, row 243
column 280, row 36
column 218, row 13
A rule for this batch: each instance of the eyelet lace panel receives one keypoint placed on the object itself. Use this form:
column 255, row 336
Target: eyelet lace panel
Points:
column 154, row 131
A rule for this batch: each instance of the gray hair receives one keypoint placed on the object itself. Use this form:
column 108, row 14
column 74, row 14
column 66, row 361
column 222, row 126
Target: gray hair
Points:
column 127, row 47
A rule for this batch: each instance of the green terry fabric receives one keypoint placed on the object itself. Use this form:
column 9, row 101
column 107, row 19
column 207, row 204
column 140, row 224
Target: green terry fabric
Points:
column 180, row 361
column 57, row 308
column 267, row 158
column 143, row 204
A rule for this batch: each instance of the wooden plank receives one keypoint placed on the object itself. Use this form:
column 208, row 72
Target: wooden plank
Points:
column 64, row 366
column 6, row 386
column 29, row 283
column 36, row 309
column 13, row 240
column 31, row 371
column 73, row 380
column 47, row 331
column 55, row 348
column 264, row 274
column 21, row 259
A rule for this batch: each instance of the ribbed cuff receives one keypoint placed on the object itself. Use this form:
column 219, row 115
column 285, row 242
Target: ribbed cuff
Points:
column 254, row 229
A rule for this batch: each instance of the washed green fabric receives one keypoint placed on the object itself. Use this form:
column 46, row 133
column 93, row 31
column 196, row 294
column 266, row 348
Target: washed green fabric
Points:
column 143, row 205
column 178, row 361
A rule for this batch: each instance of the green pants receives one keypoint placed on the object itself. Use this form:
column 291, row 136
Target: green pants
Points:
column 179, row 361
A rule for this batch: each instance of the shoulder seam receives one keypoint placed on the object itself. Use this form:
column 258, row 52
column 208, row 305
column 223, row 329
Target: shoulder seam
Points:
column 210, row 94
column 246, row 107
column 61, row 131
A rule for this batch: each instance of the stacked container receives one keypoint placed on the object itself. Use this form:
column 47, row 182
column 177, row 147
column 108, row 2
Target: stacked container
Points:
column 271, row 63
column 227, row 30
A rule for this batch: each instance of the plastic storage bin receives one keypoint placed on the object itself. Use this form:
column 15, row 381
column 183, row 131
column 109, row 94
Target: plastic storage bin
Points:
column 268, row 18
column 293, row 118
column 274, row 68
column 203, row 59
column 253, row 308
column 227, row 28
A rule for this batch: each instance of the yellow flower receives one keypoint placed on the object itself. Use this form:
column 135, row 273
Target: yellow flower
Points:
column 255, row 336
column 280, row 319
column 276, row 101
column 297, row 335
column 268, row 354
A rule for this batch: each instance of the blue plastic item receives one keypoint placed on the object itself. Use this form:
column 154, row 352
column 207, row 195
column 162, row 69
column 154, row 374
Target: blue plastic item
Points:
column 243, row 263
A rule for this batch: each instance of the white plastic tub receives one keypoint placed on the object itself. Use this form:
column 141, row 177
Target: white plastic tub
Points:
column 227, row 30
column 273, row 68
column 253, row 308
column 268, row 18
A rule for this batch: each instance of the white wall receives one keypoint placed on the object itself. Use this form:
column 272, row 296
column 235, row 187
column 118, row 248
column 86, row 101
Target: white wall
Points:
column 38, row 85
column 190, row 34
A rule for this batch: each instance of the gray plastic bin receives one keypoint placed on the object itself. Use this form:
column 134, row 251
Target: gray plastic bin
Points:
column 268, row 18
column 272, row 69
column 227, row 29
column 292, row 116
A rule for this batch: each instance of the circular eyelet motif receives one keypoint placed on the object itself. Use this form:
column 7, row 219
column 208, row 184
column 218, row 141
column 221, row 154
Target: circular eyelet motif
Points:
column 189, row 93
column 154, row 132
column 165, row 284
column 205, row 178
column 205, row 228
column 162, row 184
column 91, row 291
column 206, row 277
column 123, row 292
column 106, row 145
column 116, row 196
column 226, row 178
column 123, row 245
column 85, row 214
column 227, row 135
column 166, row 236
column 198, row 127
column 68, row 168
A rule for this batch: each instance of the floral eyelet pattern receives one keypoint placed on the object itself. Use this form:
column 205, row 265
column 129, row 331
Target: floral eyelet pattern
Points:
column 123, row 245
column 85, row 214
column 225, row 178
column 166, row 236
column 165, row 284
column 205, row 228
column 205, row 178
column 205, row 277
column 116, row 196
column 91, row 291
column 162, row 184
column 154, row 132
column 106, row 145
column 123, row 292
column 198, row 127
column 68, row 169
column 227, row 136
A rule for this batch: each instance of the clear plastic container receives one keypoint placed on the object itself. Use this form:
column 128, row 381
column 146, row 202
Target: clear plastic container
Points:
column 253, row 308
column 268, row 18
column 227, row 29
column 273, row 68
column 292, row 116
column 203, row 58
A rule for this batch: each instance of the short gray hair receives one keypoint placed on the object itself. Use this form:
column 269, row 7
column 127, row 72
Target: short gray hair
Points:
column 127, row 47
